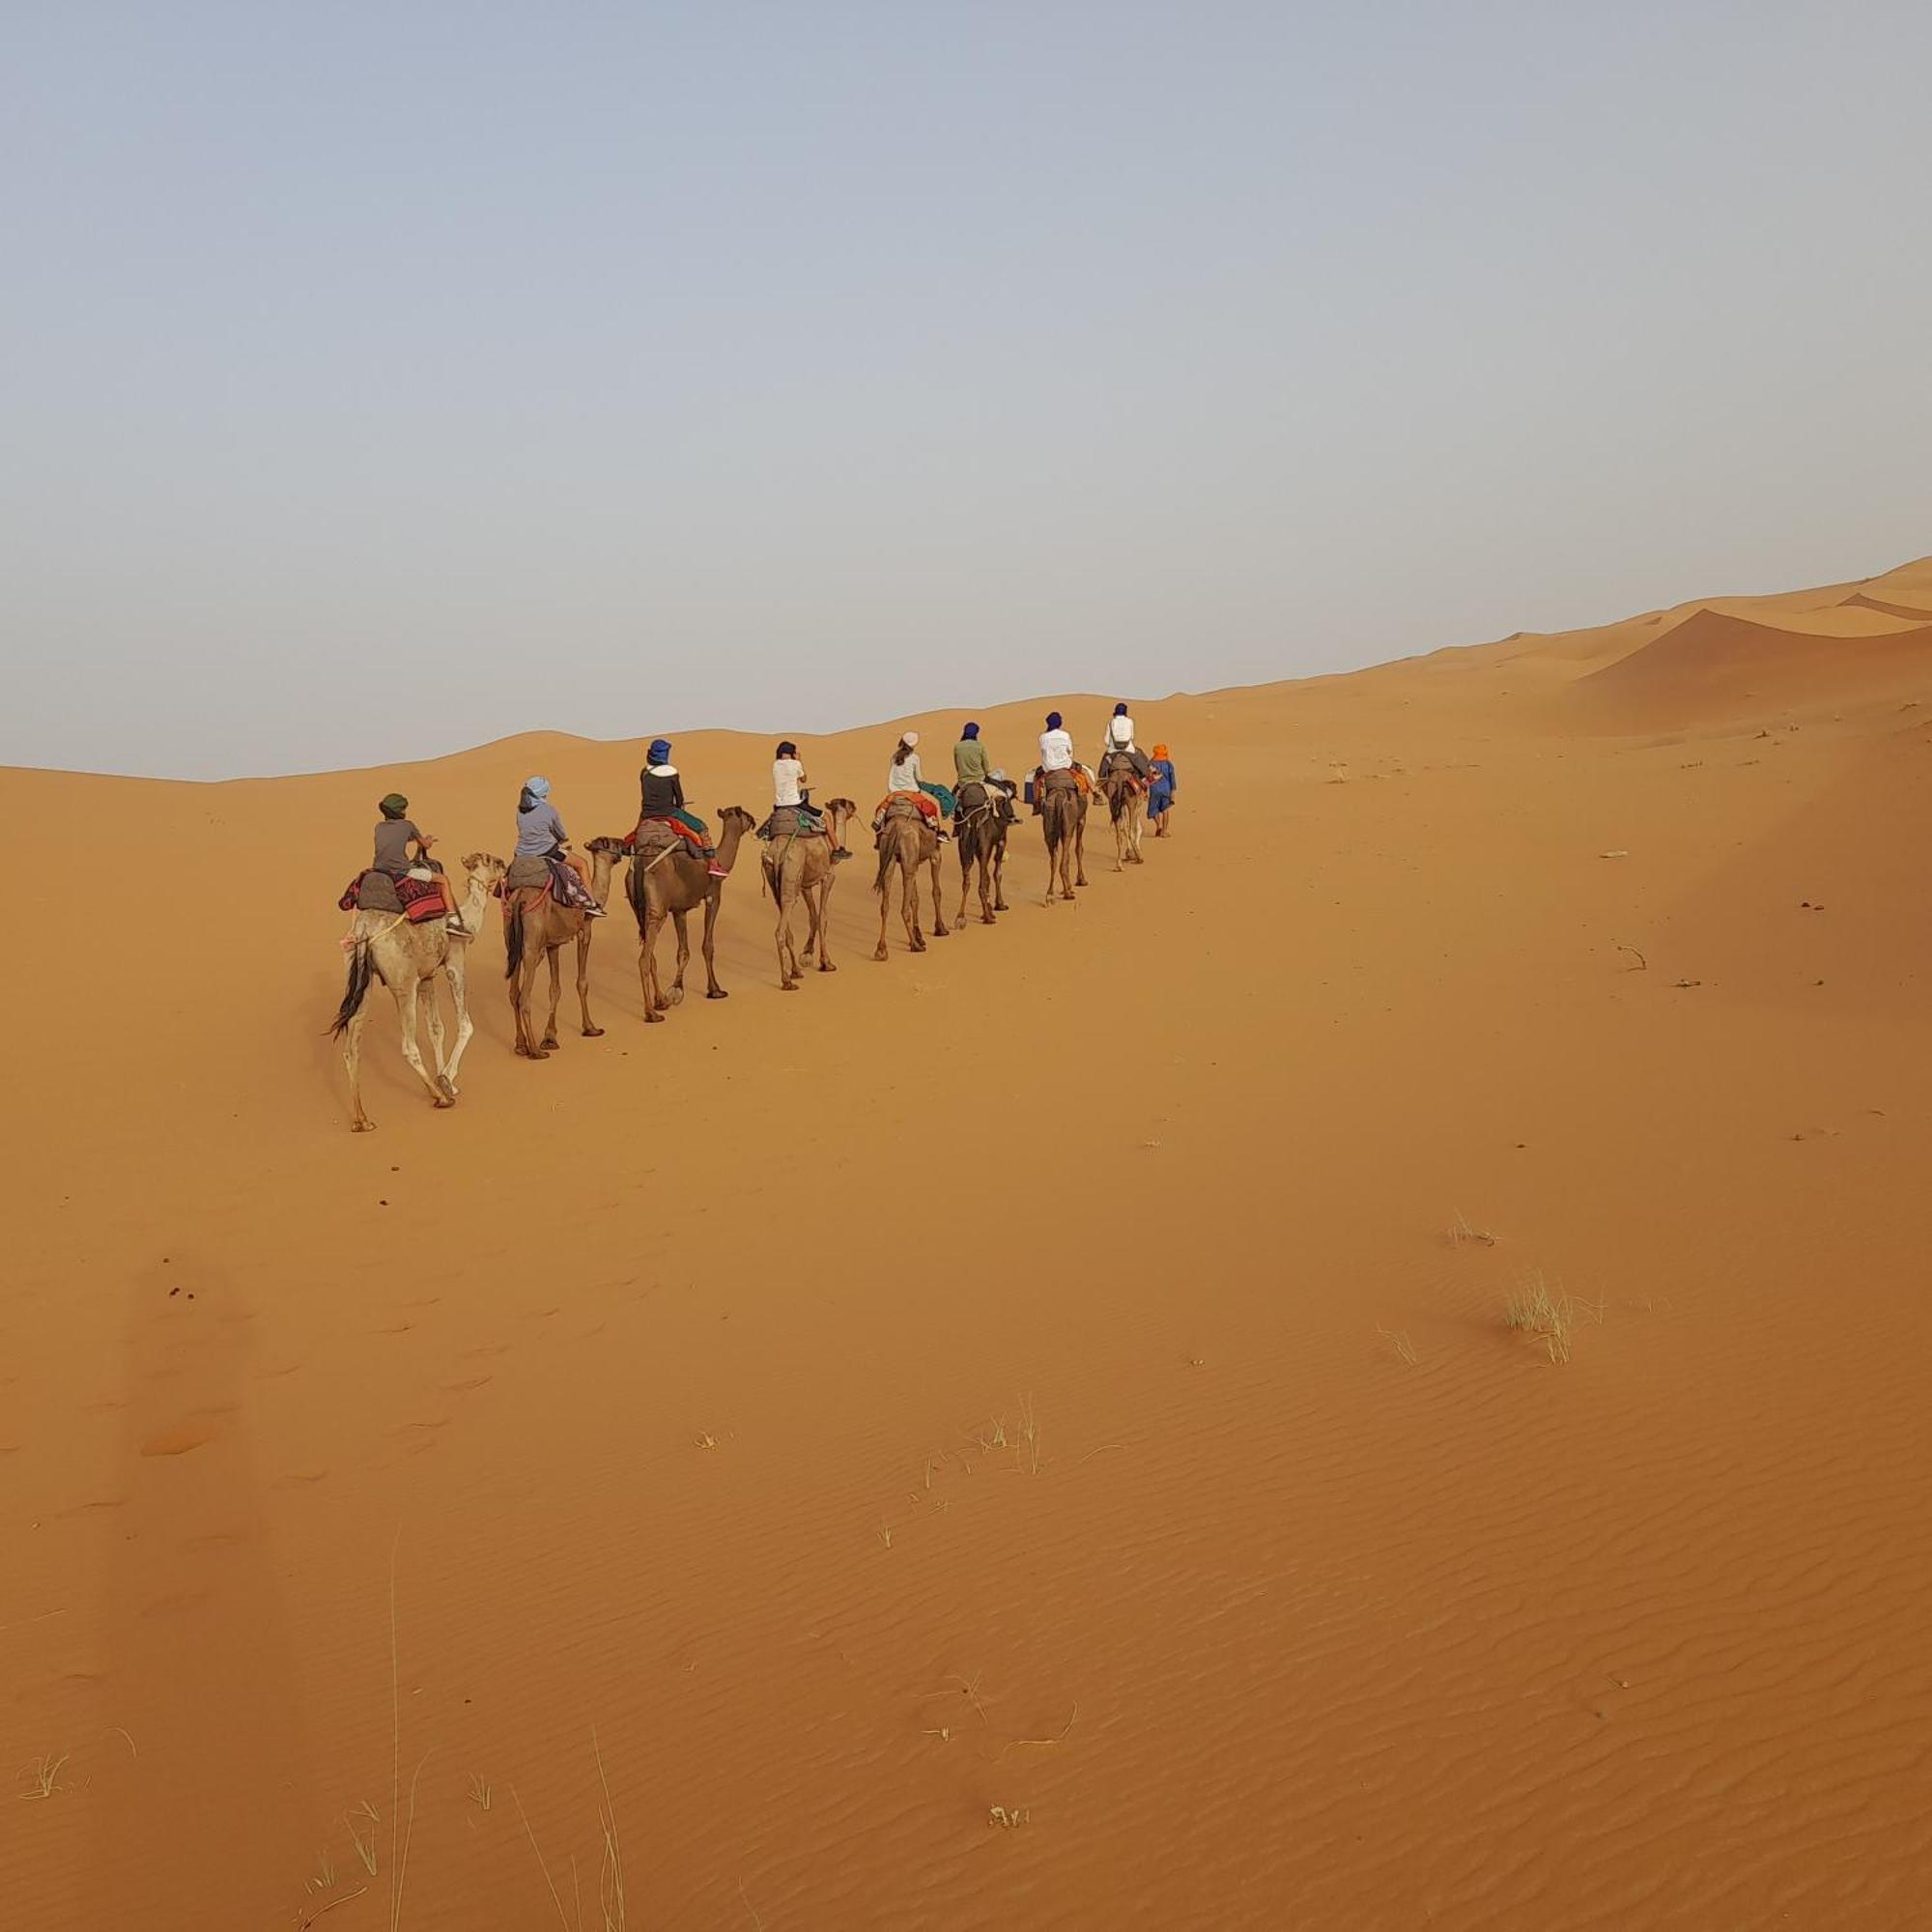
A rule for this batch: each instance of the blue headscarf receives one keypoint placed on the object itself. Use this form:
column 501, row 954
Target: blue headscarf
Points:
column 1119, row 711
column 971, row 732
column 659, row 752
column 1053, row 721
column 534, row 791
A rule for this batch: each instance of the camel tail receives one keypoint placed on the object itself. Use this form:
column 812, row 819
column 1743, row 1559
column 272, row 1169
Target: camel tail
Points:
column 361, row 971
column 886, row 856
column 513, row 942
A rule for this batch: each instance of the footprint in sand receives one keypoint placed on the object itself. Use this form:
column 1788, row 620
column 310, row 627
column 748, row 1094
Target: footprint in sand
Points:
column 181, row 1437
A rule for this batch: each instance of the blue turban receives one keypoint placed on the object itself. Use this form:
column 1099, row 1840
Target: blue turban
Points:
column 660, row 751
column 1119, row 711
column 971, row 732
column 537, row 787
column 1053, row 721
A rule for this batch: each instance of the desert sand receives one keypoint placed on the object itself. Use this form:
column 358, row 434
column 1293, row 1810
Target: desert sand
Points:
column 1065, row 1371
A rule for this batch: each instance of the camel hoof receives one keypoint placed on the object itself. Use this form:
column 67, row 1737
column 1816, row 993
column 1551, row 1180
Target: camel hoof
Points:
column 826, row 966
column 446, row 1085
column 941, row 932
column 593, row 1033
column 676, row 998
column 361, row 1127
column 443, row 1104
column 653, row 1018
column 787, row 985
column 719, row 994
column 880, row 954
column 551, row 1045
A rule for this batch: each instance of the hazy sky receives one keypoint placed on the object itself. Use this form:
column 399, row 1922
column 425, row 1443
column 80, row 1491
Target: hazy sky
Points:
column 378, row 380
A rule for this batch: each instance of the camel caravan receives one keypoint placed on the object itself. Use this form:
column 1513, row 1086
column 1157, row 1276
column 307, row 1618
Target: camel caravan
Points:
column 408, row 932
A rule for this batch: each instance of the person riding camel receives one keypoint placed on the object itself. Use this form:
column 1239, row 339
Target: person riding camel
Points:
column 971, row 766
column 540, row 835
column 1120, row 749
column 394, row 835
column 1056, row 754
column 791, row 792
column 661, row 801
column 903, row 780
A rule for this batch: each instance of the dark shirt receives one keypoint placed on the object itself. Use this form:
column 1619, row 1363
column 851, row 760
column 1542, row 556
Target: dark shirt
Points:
column 393, row 838
column 660, row 790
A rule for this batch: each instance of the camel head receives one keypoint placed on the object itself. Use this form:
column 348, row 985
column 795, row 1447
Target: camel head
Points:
column 487, row 864
column 617, row 849
column 735, row 816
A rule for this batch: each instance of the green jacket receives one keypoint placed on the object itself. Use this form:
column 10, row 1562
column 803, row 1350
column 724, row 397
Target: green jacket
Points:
column 970, row 763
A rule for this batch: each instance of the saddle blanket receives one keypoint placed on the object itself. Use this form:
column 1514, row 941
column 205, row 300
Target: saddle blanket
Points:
column 419, row 901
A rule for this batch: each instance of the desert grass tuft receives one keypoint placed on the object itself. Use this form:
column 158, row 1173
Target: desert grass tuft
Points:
column 480, row 1793
column 1397, row 1339
column 1541, row 1310
column 1029, row 1445
column 43, row 1776
column 1461, row 1233
column 364, row 1823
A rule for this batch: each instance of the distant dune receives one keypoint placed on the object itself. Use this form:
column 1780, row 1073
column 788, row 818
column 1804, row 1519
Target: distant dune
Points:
column 1027, row 1434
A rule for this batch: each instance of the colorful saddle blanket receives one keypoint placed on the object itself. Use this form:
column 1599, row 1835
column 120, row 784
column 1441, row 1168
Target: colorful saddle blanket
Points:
column 418, row 900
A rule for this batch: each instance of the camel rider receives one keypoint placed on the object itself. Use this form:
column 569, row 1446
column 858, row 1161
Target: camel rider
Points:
column 904, row 779
column 661, row 800
column 790, row 790
column 540, row 835
column 1121, row 752
column 971, row 766
column 1056, row 754
column 394, row 835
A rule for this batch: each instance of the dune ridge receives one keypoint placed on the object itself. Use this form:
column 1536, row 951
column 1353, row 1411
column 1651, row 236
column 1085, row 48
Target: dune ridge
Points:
column 1064, row 1372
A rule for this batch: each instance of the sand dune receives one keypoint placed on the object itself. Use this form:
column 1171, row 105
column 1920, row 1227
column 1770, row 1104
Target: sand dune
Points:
column 1053, row 1373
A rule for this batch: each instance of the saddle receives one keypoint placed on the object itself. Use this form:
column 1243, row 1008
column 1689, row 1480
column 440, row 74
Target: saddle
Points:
column 791, row 821
column 418, row 900
column 899, row 804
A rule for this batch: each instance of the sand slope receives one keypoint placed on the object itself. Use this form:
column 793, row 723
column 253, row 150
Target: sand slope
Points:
column 685, row 1378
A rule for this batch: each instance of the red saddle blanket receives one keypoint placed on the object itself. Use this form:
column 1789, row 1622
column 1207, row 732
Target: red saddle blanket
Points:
column 418, row 900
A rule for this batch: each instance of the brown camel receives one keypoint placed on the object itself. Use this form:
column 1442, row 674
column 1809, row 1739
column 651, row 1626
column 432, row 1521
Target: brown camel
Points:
column 1126, row 805
column 801, row 868
column 1063, row 812
column 664, row 882
column 979, row 828
column 908, row 841
column 407, row 958
column 535, row 930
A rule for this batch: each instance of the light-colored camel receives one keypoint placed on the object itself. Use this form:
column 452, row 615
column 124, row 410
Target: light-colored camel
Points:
column 802, row 868
column 1127, row 807
column 1063, row 814
column 406, row 959
column 536, row 928
column 979, row 829
column 908, row 841
column 667, row 884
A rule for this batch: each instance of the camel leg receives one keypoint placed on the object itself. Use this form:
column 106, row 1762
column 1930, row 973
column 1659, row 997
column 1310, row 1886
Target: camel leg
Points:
column 885, row 913
column 591, row 1030
column 456, row 968
column 432, row 1011
column 352, row 1058
column 554, row 960
column 677, row 919
column 1000, row 878
column 712, row 989
column 909, row 905
column 965, row 879
column 782, row 936
column 820, row 908
column 406, row 1014
column 1079, row 851
column 522, row 996
column 647, row 969
column 940, row 929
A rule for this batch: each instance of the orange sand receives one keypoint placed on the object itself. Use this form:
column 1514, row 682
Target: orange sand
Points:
column 672, row 1371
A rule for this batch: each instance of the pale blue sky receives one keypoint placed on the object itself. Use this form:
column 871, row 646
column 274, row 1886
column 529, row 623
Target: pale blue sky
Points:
column 378, row 380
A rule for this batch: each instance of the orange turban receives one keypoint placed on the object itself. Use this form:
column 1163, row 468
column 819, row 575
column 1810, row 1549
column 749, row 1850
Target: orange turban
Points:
column 1160, row 750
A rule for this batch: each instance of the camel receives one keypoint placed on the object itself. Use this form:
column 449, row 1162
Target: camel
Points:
column 908, row 841
column 407, row 958
column 535, row 930
column 664, row 882
column 1126, row 805
column 1063, row 814
column 801, row 868
column 980, row 828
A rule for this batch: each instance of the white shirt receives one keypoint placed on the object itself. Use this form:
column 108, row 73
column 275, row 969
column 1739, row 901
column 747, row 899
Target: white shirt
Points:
column 1056, row 750
column 787, row 775
column 904, row 775
column 1120, row 735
